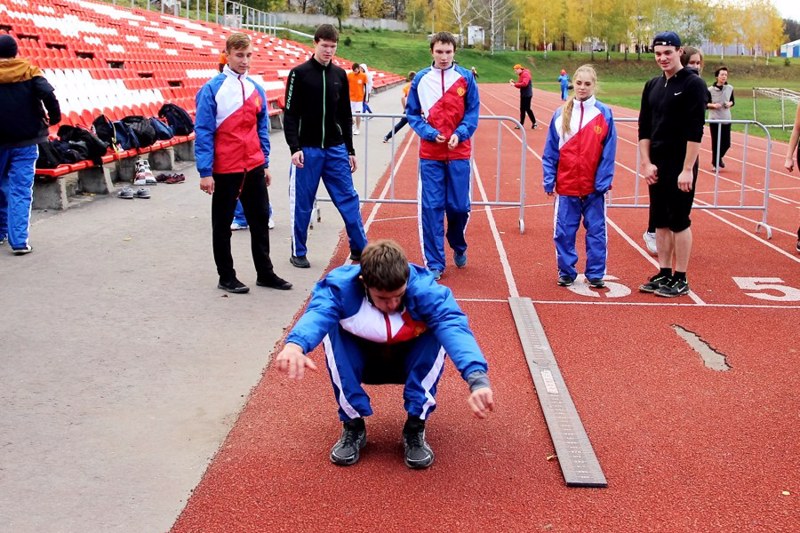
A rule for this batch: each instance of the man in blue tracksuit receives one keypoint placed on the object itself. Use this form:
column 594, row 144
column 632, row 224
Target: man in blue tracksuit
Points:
column 23, row 92
column 317, row 122
column 442, row 108
column 386, row 321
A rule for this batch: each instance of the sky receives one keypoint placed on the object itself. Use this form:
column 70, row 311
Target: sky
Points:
column 789, row 9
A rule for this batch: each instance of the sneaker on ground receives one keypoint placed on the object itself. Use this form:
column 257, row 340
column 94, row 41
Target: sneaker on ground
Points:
column 2, row 241
column 22, row 251
column 356, row 132
column 650, row 242
column 299, row 261
column 347, row 449
column 655, row 283
column 234, row 285
column 126, row 193
column 418, row 454
column 675, row 287
column 235, row 226
column 565, row 281
column 798, row 245
column 271, row 223
column 140, row 179
column 596, row 283
column 142, row 192
column 273, row 282
column 437, row 274
column 460, row 259
column 721, row 164
column 516, row 127
column 535, row 126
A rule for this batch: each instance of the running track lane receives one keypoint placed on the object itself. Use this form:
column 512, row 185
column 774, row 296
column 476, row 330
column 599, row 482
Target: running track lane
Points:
column 684, row 448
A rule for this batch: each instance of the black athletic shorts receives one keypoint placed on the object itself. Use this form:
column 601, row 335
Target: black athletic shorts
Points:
column 669, row 206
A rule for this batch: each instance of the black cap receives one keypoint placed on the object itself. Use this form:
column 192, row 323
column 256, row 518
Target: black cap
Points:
column 667, row 38
column 8, row 46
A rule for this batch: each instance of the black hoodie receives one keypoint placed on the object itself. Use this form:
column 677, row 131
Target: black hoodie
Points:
column 23, row 90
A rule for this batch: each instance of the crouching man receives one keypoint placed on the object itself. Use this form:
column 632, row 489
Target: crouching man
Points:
column 386, row 321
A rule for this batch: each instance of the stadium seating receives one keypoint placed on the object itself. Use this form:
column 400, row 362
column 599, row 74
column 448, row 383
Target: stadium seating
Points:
column 113, row 60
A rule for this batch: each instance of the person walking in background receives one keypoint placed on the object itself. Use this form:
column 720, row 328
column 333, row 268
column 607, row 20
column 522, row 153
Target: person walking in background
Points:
column 25, row 95
column 722, row 101
column 793, row 154
column 692, row 61
column 357, row 81
column 403, row 120
column 442, row 108
column 671, row 122
column 578, row 163
column 386, row 321
column 474, row 73
column 368, row 88
column 525, row 86
column 232, row 154
column 318, row 96
column 563, row 81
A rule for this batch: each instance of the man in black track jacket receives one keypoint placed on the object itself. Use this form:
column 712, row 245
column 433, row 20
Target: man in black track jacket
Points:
column 317, row 124
column 24, row 96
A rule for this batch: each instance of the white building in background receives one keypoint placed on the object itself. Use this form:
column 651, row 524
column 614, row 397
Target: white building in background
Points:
column 475, row 35
column 791, row 49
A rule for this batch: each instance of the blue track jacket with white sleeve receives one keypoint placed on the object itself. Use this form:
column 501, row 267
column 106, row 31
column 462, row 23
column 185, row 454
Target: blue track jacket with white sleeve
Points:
column 340, row 299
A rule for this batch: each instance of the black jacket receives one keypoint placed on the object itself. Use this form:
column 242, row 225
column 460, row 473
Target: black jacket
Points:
column 317, row 111
column 23, row 90
column 673, row 111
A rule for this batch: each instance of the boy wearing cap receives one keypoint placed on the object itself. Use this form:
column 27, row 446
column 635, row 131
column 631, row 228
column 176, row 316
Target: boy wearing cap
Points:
column 670, row 130
column 525, row 86
column 23, row 93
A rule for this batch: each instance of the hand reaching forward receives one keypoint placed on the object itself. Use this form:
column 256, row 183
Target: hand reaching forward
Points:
column 293, row 361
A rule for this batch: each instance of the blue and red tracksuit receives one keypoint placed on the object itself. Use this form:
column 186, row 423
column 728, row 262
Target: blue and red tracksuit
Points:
column 443, row 102
column 23, row 91
column 232, row 145
column 579, row 167
column 356, row 335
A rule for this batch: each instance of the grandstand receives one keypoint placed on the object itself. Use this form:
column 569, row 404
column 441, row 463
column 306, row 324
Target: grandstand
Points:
column 117, row 61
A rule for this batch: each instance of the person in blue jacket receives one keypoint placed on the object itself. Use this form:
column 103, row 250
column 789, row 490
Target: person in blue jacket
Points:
column 563, row 80
column 25, row 94
column 578, row 164
column 232, row 156
column 386, row 321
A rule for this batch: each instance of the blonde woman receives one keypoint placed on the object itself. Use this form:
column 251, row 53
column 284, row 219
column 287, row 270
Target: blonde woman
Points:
column 578, row 164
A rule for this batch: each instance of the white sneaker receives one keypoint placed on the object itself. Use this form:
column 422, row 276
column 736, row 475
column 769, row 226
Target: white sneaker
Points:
column 650, row 242
column 356, row 132
column 140, row 179
column 271, row 223
column 237, row 227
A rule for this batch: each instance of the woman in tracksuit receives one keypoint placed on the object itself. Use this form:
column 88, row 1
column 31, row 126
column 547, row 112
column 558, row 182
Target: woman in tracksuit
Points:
column 578, row 164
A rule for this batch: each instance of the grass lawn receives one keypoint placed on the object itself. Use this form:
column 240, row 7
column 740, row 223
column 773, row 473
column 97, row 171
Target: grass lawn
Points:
column 620, row 80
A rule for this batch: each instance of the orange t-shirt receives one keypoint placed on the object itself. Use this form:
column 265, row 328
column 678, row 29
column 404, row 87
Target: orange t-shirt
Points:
column 406, row 88
column 358, row 84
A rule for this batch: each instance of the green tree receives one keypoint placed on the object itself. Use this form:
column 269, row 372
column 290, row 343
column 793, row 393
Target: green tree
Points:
column 336, row 8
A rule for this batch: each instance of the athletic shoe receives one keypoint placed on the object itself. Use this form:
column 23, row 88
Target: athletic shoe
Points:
column 356, row 132
column 126, row 193
column 596, row 283
column 355, row 255
column 140, row 179
column 535, row 126
column 299, row 261
column 142, row 192
column 274, row 282
column 271, row 223
column 235, row 286
column 460, row 259
column 565, row 281
column 650, row 242
column 22, row 251
column 655, row 283
column 798, row 245
column 235, row 226
column 437, row 274
column 347, row 449
column 418, row 454
column 675, row 287
column 2, row 241
column 385, row 140
column 721, row 164
column 517, row 127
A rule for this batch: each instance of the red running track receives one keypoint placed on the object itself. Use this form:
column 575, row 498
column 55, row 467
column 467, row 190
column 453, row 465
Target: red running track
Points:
column 684, row 447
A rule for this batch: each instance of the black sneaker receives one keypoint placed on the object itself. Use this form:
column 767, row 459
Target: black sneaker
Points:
column 22, row 251
column 675, row 287
column 596, row 283
column 565, row 281
column 347, row 449
column 721, row 164
column 417, row 452
column 299, row 261
column 798, row 245
column 355, row 255
column 655, row 283
column 234, row 286
column 273, row 282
